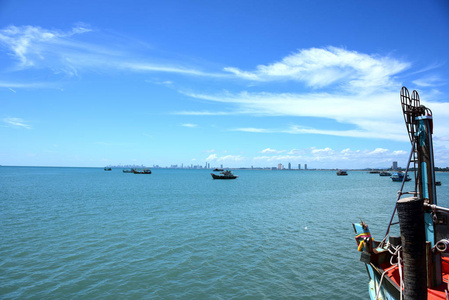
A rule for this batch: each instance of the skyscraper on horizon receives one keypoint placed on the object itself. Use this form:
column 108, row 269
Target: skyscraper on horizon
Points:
column 395, row 165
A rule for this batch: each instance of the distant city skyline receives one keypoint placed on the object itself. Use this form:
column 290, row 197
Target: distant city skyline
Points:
column 280, row 166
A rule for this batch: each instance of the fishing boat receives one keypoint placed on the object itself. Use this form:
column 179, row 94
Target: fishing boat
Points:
column 342, row 173
column 107, row 169
column 218, row 170
column 224, row 175
column 414, row 265
column 128, row 170
column 384, row 173
column 142, row 171
column 400, row 176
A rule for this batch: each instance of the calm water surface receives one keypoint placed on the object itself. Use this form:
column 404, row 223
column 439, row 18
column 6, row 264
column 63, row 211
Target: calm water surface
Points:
column 86, row 233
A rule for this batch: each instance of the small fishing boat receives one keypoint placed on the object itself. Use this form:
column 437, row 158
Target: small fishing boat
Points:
column 384, row 173
column 128, row 170
column 142, row 171
column 218, row 170
column 342, row 173
column 107, row 169
column 399, row 176
column 414, row 265
column 224, row 175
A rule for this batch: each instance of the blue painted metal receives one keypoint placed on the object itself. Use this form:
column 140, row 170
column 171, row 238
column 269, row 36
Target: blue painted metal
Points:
column 428, row 224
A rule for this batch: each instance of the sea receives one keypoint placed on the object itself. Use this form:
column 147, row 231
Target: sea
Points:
column 86, row 233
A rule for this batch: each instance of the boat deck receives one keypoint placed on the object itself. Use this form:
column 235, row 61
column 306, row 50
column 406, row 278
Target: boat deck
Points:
column 438, row 292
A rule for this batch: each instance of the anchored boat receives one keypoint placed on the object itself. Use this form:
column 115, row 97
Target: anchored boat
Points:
column 414, row 265
column 141, row 171
column 384, row 173
column 400, row 176
column 224, row 175
column 342, row 173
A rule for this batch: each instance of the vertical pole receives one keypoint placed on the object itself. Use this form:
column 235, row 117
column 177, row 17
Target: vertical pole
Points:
column 411, row 221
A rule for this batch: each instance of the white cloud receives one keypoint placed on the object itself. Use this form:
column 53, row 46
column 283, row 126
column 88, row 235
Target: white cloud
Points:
column 331, row 158
column 373, row 115
column 319, row 67
column 349, row 87
column 269, row 150
column 377, row 151
column 399, row 152
column 252, row 129
column 430, row 81
column 16, row 122
column 66, row 52
column 212, row 157
column 225, row 159
column 326, row 151
column 189, row 125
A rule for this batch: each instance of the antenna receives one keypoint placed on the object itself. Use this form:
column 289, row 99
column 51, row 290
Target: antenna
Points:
column 411, row 109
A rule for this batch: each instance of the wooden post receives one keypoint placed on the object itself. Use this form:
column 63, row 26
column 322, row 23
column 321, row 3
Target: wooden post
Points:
column 411, row 221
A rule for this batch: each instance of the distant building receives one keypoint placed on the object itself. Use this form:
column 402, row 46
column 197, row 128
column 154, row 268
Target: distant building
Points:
column 395, row 165
column 221, row 166
column 299, row 166
column 289, row 166
column 280, row 167
column 305, row 166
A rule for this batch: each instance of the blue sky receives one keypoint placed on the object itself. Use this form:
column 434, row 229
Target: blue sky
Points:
column 238, row 83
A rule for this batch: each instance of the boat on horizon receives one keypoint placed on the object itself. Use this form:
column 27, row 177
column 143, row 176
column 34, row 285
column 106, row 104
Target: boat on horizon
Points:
column 384, row 173
column 342, row 173
column 224, row 175
column 141, row 171
column 414, row 265
column 107, row 169
column 128, row 170
column 399, row 176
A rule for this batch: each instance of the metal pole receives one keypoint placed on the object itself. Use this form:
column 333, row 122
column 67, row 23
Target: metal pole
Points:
column 399, row 194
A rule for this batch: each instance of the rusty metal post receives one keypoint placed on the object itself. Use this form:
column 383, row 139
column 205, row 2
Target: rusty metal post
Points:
column 411, row 221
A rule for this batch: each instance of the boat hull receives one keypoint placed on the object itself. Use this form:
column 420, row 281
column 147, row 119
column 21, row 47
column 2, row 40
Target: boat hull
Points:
column 215, row 176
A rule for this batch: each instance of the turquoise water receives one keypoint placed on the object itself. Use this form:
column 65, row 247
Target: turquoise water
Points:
column 86, row 233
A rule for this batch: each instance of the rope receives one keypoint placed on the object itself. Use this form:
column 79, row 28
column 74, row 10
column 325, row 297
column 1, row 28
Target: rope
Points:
column 398, row 264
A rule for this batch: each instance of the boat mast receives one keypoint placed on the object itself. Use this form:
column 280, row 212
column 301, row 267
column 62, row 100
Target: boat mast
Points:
column 418, row 120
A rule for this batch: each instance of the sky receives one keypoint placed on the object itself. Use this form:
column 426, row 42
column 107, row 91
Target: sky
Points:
column 232, row 83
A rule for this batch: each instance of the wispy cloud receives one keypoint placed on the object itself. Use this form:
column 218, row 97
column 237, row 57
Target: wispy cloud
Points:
column 225, row 159
column 252, row 129
column 269, row 150
column 68, row 52
column 189, row 125
column 319, row 67
column 16, row 123
column 349, row 87
column 429, row 81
